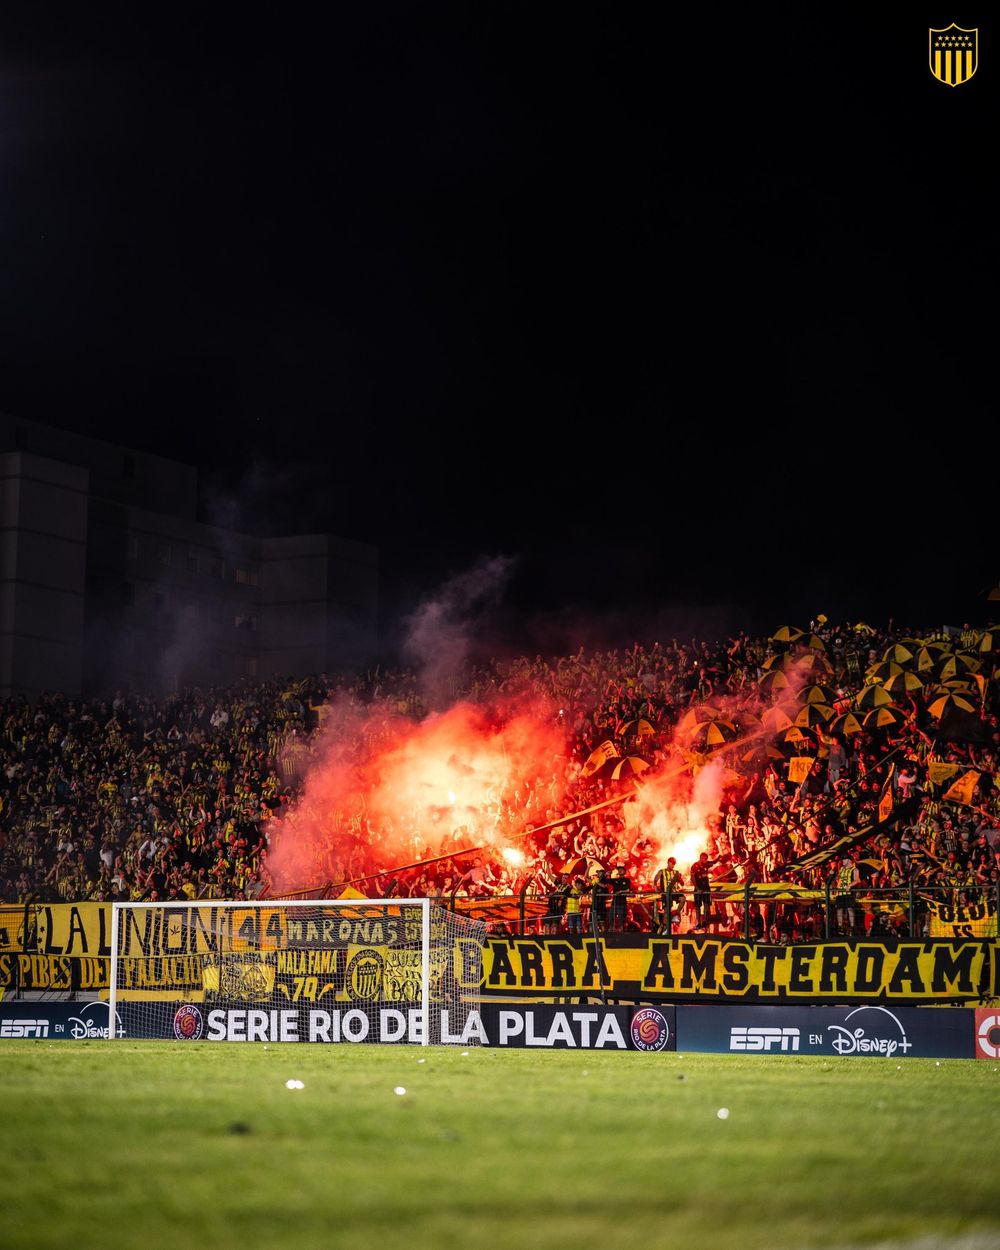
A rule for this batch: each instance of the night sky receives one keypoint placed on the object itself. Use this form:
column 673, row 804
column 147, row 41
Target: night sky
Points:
column 692, row 316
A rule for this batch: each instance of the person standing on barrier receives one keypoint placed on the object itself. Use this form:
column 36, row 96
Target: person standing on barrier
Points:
column 702, row 890
column 670, row 884
column 573, row 915
column 620, row 887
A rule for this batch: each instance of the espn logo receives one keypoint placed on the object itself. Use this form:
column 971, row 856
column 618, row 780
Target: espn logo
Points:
column 763, row 1039
column 24, row 1028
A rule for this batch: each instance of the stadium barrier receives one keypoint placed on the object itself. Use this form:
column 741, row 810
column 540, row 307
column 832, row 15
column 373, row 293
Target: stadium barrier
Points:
column 868, row 1031
column 62, row 951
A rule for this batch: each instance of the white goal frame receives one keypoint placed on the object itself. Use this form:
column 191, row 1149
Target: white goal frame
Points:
column 423, row 905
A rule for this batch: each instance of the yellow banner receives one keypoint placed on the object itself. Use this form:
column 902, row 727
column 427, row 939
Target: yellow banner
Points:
column 962, row 790
column 963, row 919
column 937, row 772
column 708, row 969
column 798, row 768
column 606, row 751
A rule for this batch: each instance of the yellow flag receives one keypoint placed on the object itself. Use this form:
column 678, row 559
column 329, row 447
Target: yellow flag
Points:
column 606, row 751
column 885, row 798
column 938, row 771
column 350, row 892
column 961, row 791
column 798, row 768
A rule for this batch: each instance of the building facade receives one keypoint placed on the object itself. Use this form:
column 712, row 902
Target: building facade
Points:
column 109, row 581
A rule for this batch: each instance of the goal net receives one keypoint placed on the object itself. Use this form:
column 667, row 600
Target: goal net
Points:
column 345, row 970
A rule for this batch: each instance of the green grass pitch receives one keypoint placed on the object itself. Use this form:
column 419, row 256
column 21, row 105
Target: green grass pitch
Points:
column 138, row 1144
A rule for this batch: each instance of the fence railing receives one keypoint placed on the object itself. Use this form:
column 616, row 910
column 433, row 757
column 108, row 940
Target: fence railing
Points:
column 755, row 913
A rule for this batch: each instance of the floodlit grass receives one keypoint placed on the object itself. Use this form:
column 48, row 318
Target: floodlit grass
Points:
column 137, row 1144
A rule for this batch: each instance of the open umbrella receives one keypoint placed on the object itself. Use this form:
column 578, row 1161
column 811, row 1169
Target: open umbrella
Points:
column 788, row 633
column 951, row 700
column 781, row 660
column 958, row 665
column 630, row 766
column 797, row 735
column 882, row 672
column 903, row 683
column 849, row 723
column 873, row 696
column 883, row 717
column 898, row 653
column 814, row 714
column 774, row 680
column 989, row 639
column 697, row 715
column 818, row 694
column 813, row 641
column 929, row 655
column 813, row 662
column 712, row 734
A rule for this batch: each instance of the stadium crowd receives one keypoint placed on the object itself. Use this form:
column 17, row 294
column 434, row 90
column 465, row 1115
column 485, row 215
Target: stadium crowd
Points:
column 142, row 798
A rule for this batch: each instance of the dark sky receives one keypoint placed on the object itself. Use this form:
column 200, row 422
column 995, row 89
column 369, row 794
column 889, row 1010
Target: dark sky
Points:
column 690, row 314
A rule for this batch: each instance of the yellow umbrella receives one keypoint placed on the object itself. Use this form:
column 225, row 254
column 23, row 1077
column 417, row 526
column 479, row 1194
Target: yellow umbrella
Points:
column 989, row 639
column 951, row 700
column 849, row 723
column 814, row 642
column 898, row 653
column 903, row 682
column 818, row 694
column 788, row 633
column 881, row 672
column 630, row 766
column 780, row 660
column 873, row 696
column 882, row 717
column 814, row 714
column 712, row 733
column 698, row 715
column 958, row 665
column 796, row 734
column 929, row 655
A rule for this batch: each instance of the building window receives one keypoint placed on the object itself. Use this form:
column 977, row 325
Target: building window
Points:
column 193, row 562
column 247, row 577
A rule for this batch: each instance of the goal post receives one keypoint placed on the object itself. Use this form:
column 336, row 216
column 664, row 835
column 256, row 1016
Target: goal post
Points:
column 320, row 970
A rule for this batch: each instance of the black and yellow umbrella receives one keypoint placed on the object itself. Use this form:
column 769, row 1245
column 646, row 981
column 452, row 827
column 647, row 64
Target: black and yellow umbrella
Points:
column 788, row 633
column 817, row 694
column 883, row 717
column 903, row 683
column 873, row 696
column 899, row 653
column 814, row 663
column 774, row 680
column 882, row 672
column 849, row 723
column 929, row 656
column 813, row 641
column 989, row 639
column 630, row 766
column 700, row 714
column 799, row 735
column 712, row 734
column 958, row 665
column 814, row 714
column 781, row 659
column 952, row 700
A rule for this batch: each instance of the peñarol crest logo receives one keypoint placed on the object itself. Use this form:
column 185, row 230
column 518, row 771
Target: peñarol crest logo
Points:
column 954, row 54
column 364, row 975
